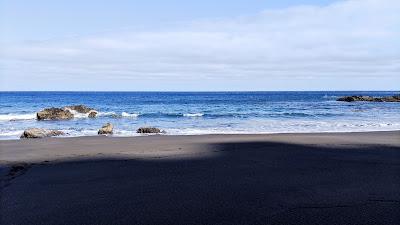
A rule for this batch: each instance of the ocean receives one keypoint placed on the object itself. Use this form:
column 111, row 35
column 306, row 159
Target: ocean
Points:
column 195, row 113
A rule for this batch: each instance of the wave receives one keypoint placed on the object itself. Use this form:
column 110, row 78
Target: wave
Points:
column 134, row 115
column 13, row 134
column 11, row 117
column 330, row 97
column 193, row 114
column 107, row 114
column 78, row 114
column 117, row 115
column 247, row 127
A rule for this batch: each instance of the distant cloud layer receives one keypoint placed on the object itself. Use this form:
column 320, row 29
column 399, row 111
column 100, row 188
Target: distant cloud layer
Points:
column 290, row 48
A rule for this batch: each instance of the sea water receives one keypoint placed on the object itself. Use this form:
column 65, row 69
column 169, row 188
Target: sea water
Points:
column 194, row 113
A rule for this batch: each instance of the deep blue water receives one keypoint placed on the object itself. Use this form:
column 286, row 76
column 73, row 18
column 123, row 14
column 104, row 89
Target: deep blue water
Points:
column 201, row 112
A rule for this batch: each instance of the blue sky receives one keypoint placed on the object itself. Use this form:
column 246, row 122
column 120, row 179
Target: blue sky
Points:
column 200, row 45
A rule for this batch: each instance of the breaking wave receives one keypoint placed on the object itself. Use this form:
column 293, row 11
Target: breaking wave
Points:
column 11, row 117
column 193, row 114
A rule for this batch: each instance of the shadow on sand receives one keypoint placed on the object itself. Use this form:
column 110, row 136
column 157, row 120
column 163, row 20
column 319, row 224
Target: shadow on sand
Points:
column 243, row 183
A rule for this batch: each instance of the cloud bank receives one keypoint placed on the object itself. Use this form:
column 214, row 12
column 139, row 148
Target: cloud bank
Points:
column 346, row 45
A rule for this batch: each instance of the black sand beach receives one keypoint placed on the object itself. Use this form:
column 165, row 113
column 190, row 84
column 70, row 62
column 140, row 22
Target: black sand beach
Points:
column 329, row 178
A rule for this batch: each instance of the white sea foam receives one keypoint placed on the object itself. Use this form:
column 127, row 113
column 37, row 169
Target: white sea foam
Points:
column 14, row 134
column 77, row 133
column 193, row 114
column 251, row 126
column 78, row 114
column 11, row 116
column 107, row 114
column 133, row 115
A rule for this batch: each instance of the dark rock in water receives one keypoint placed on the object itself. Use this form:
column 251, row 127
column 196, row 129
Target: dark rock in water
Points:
column 347, row 99
column 106, row 129
column 54, row 114
column 79, row 108
column 395, row 98
column 40, row 133
column 148, row 130
column 66, row 112
column 92, row 114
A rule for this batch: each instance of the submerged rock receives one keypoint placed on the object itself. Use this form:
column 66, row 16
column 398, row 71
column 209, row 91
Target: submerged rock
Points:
column 40, row 133
column 395, row 98
column 148, row 130
column 54, row 114
column 106, row 129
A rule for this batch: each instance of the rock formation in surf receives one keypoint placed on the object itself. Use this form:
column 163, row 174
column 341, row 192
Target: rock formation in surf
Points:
column 54, row 114
column 66, row 112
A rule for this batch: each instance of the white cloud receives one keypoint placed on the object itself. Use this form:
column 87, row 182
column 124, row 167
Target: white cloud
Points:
column 358, row 39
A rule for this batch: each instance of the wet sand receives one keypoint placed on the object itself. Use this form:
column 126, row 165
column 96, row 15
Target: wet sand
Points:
column 328, row 178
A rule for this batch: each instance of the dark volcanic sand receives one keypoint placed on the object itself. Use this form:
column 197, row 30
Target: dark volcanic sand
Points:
column 349, row 178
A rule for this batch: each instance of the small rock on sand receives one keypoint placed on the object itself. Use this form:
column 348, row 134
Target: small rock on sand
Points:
column 148, row 130
column 40, row 133
column 106, row 129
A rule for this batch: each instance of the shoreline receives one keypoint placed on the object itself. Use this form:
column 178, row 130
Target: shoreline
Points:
column 201, row 134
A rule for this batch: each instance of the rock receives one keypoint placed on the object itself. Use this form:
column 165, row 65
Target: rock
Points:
column 369, row 99
column 395, row 98
column 92, row 114
column 148, row 130
column 346, row 99
column 79, row 108
column 66, row 112
column 54, row 114
column 106, row 129
column 40, row 133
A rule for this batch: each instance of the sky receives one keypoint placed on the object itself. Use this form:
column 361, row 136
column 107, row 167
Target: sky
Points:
column 225, row 45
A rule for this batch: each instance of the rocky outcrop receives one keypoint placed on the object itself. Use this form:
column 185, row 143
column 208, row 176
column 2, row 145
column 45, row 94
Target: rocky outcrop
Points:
column 92, row 114
column 40, row 133
column 54, row 114
column 66, row 112
column 79, row 108
column 106, row 129
column 395, row 98
column 148, row 130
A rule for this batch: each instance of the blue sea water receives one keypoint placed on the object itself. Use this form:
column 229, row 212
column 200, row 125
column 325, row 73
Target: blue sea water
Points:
column 182, row 113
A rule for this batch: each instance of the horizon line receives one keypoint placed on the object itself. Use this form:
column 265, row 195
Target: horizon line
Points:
column 211, row 91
